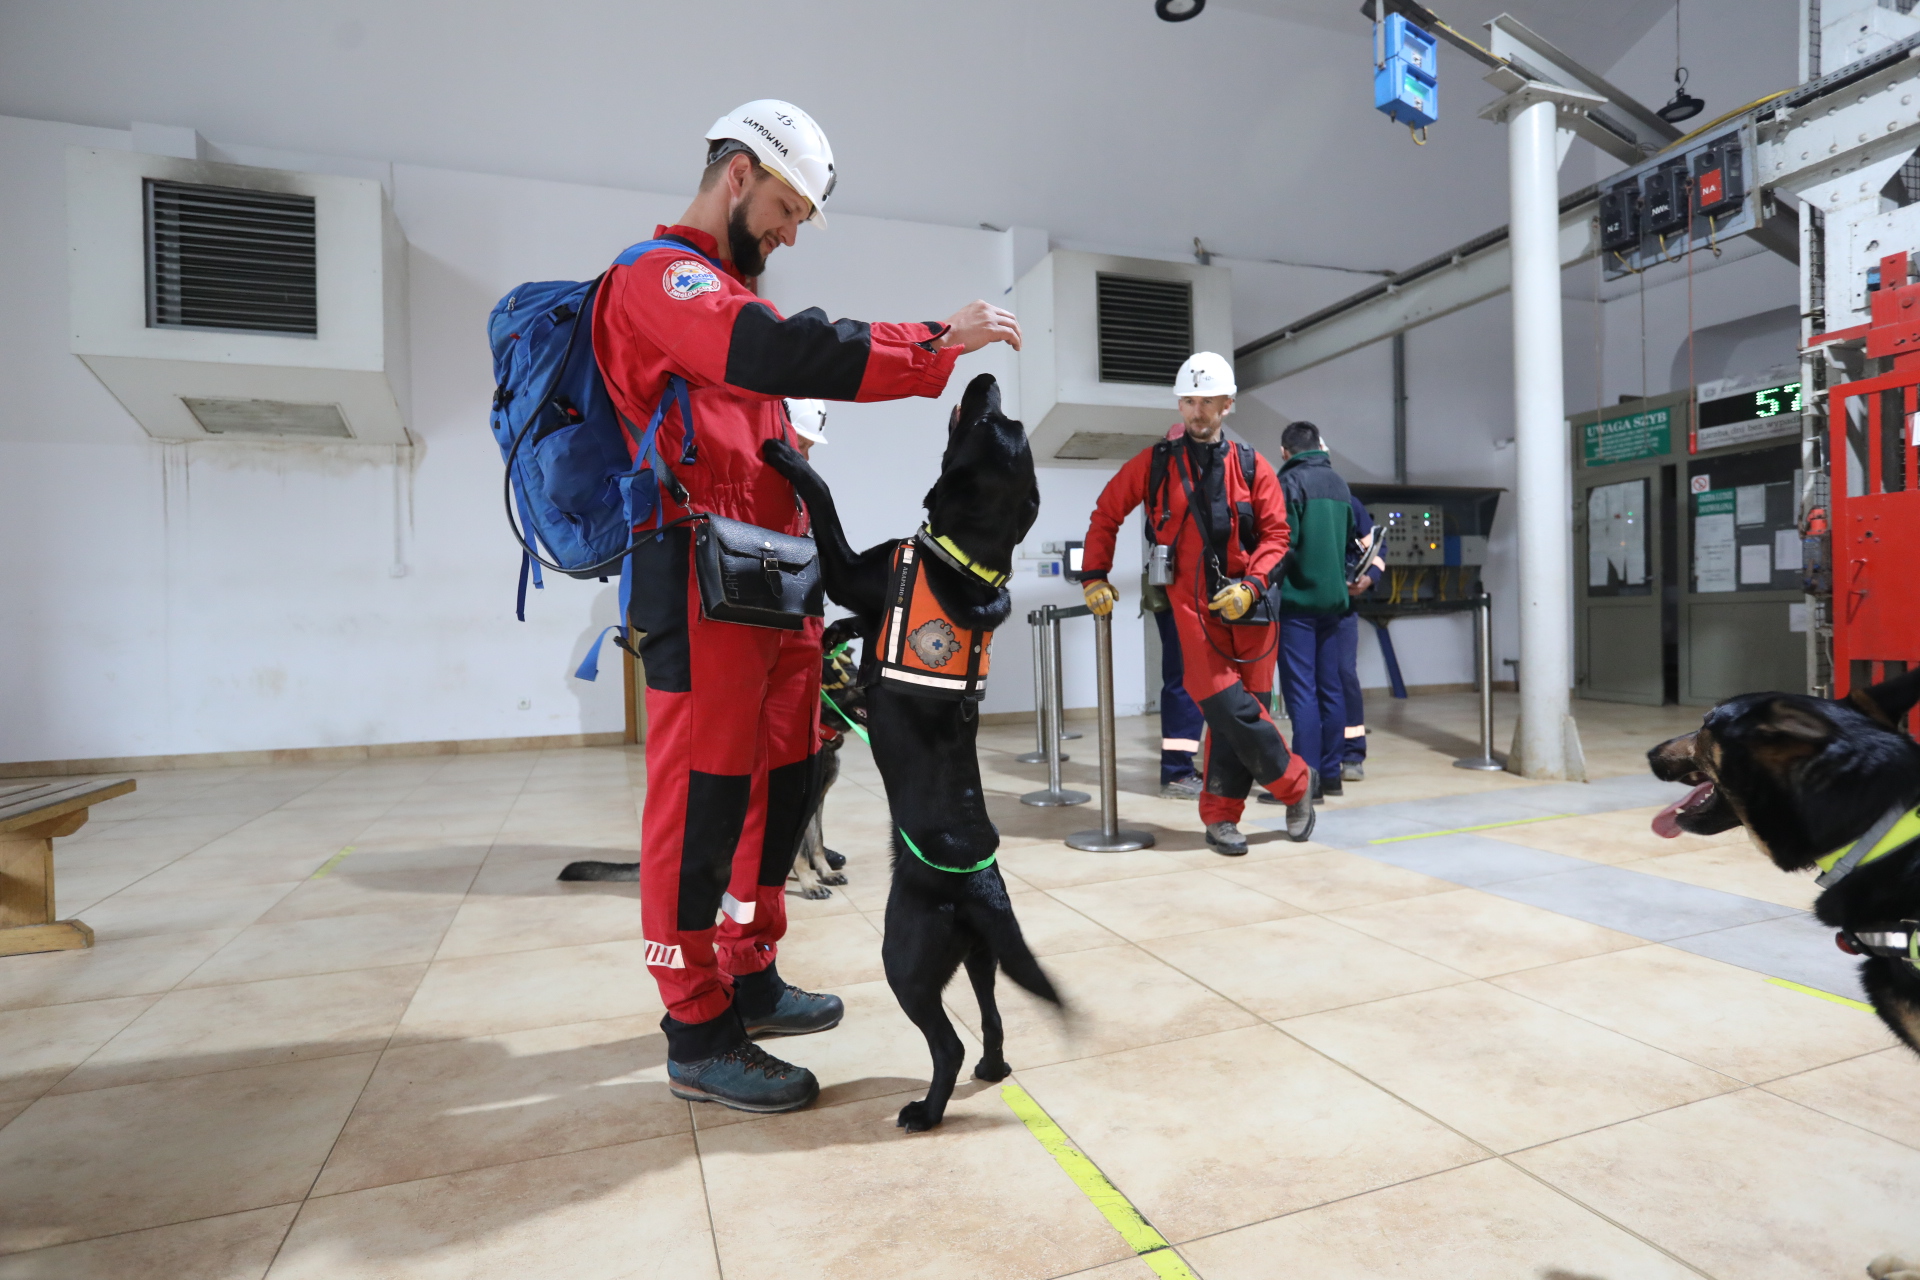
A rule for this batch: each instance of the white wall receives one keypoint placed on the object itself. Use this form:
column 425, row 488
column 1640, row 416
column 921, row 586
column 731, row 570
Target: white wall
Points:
column 219, row 596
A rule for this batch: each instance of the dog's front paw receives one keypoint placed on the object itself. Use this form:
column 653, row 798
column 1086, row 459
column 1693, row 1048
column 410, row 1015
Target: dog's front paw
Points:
column 992, row 1071
column 782, row 457
column 914, row 1118
column 1890, row 1266
column 834, row 877
column 817, row 892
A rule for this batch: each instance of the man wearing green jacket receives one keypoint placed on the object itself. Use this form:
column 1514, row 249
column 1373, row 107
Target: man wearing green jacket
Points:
column 1313, row 600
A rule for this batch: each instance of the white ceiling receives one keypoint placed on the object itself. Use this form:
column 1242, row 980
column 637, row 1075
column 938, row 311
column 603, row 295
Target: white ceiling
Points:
column 1251, row 126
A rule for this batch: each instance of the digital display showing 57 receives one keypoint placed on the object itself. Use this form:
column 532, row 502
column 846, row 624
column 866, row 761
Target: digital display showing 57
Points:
column 1768, row 402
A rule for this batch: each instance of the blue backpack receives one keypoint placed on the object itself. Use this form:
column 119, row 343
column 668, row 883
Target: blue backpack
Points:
column 580, row 493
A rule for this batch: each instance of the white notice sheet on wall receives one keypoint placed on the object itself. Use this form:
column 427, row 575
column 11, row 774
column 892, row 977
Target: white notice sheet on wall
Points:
column 1786, row 551
column 1713, row 554
column 1756, row 566
column 1750, row 504
column 1617, row 534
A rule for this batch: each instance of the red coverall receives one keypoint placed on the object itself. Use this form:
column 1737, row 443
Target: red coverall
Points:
column 1243, row 744
column 733, row 711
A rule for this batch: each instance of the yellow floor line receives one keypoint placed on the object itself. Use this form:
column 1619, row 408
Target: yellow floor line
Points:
column 331, row 863
column 1824, row 995
column 1454, row 831
column 1116, row 1208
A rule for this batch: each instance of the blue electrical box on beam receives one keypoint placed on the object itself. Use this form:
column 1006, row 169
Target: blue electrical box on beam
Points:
column 1406, row 72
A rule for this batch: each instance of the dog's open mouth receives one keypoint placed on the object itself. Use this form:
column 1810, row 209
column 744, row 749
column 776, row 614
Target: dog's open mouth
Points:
column 1666, row 823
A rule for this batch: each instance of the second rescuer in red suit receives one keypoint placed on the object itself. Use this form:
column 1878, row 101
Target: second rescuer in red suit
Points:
column 732, row 710
column 1228, row 669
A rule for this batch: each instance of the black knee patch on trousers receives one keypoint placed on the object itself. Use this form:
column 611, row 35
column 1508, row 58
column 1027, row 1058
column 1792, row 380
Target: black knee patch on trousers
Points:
column 1243, row 747
column 790, row 800
column 657, row 611
column 716, row 813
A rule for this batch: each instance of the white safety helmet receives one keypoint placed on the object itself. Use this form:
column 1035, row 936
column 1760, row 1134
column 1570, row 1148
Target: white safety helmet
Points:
column 809, row 418
column 1204, row 374
column 786, row 140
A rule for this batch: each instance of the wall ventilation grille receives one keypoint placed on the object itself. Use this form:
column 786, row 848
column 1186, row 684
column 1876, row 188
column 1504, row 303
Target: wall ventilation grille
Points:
column 230, row 258
column 1146, row 328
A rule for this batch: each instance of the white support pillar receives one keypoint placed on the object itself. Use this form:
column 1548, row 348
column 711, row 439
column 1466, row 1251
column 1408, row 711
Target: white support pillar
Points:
column 1546, row 742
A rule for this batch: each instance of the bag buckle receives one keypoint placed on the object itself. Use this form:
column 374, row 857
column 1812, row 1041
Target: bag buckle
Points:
column 770, row 567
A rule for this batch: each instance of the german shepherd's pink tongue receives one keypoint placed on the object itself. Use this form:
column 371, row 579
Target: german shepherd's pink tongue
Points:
column 1666, row 823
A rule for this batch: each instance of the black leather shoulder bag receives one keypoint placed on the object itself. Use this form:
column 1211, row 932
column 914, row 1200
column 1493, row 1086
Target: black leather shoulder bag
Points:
column 755, row 576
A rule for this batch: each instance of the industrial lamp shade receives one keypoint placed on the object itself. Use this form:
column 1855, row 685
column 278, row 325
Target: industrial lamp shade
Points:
column 1683, row 105
column 1177, row 10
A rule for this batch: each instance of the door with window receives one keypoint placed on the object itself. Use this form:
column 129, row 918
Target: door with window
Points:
column 1618, row 546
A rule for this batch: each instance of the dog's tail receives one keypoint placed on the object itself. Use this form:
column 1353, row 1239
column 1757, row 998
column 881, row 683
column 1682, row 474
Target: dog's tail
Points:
column 616, row 871
column 996, row 923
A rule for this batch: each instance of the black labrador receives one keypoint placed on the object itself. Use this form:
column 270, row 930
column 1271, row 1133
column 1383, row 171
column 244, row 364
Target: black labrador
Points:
column 1809, row 778
column 938, row 918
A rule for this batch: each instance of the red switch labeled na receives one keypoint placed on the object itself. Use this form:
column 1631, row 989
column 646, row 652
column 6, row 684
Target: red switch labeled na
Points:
column 1710, row 188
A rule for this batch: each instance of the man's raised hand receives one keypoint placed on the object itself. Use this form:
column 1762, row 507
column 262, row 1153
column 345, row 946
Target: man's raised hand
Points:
column 978, row 323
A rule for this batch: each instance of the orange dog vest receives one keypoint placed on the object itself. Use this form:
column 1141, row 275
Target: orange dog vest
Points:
column 921, row 650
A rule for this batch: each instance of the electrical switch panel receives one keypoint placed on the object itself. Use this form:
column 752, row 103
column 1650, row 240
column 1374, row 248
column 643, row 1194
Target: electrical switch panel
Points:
column 1718, row 182
column 1412, row 535
column 1620, row 218
column 1666, row 200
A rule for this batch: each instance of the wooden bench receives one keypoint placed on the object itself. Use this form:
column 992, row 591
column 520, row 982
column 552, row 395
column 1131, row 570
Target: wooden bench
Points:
column 30, row 818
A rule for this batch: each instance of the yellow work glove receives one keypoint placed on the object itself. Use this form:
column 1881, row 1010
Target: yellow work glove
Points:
column 1100, row 596
column 1233, row 600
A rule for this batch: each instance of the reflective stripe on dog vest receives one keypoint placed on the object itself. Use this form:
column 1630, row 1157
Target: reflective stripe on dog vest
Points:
column 1895, row 828
column 921, row 650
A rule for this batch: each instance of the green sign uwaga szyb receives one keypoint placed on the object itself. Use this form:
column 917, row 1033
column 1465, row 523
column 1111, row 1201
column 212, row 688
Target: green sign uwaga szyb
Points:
column 1639, row 435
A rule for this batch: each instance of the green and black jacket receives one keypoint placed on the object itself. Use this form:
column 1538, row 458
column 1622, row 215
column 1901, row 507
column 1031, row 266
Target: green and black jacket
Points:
column 1320, row 514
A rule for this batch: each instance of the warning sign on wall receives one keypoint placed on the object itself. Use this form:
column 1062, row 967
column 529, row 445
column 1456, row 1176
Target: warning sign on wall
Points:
column 1639, row 435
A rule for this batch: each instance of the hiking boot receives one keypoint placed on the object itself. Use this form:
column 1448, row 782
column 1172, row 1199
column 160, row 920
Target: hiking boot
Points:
column 1353, row 771
column 1224, row 838
column 745, row 1078
column 1332, row 787
column 1182, row 788
column 771, row 1007
column 1300, row 814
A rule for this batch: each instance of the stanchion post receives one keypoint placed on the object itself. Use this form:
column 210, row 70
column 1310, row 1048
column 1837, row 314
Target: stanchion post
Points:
column 1036, row 622
column 1483, row 660
column 1111, row 837
column 1060, row 687
column 1053, row 796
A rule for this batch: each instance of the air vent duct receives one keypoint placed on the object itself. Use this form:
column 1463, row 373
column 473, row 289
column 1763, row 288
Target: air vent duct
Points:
column 1146, row 328
column 1102, row 338
column 229, row 258
column 222, row 301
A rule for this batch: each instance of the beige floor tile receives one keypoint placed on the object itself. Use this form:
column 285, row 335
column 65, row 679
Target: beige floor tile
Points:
column 1480, row 934
column 1484, row 1220
column 1880, row 1092
column 1051, row 927
column 628, row 1212
column 1735, row 868
column 75, row 1166
column 1215, row 1154
column 350, row 891
column 8, row 1110
column 1502, row 1069
column 329, row 944
column 874, row 1052
column 1117, row 998
column 468, row 1104
column 136, row 913
column 1284, row 968
column 830, row 952
column 1054, row 866
column 1125, row 1269
column 1018, row 1216
column 40, row 1046
column 112, row 967
column 1162, row 906
column 188, row 1032
column 234, row 1246
column 1332, row 879
column 520, row 990
column 1747, row 1185
column 421, row 854
column 1729, row 1019
column 593, row 913
column 1601, row 837
column 210, row 870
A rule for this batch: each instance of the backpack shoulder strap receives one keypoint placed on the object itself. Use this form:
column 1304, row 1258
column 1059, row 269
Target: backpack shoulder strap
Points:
column 1245, row 455
column 633, row 253
column 1157, row 480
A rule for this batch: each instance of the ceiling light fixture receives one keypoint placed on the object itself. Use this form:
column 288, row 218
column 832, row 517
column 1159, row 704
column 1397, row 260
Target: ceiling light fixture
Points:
column 1683, row 105
column 1177, row 10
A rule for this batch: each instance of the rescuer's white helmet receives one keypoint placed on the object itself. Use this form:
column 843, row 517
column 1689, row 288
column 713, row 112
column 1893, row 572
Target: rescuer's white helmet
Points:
column 786, row 140
column 809, row 418
column 1204, row 374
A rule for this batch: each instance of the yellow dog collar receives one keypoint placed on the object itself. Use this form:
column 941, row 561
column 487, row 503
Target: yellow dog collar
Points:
column 1895, row 828
column 949, row 550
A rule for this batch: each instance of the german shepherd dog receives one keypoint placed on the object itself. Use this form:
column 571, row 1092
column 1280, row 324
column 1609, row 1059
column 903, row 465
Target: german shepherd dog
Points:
column 814, row 865
column 984, row 501
column 1808, row 777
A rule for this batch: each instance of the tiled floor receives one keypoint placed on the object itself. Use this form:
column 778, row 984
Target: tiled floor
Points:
column 1542, row 1049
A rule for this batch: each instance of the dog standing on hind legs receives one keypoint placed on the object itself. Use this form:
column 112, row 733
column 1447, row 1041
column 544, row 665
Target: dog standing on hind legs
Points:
column 927, row 606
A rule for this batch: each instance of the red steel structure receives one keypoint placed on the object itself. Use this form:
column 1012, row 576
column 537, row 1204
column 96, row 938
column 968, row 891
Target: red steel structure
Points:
column 1874, row 494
